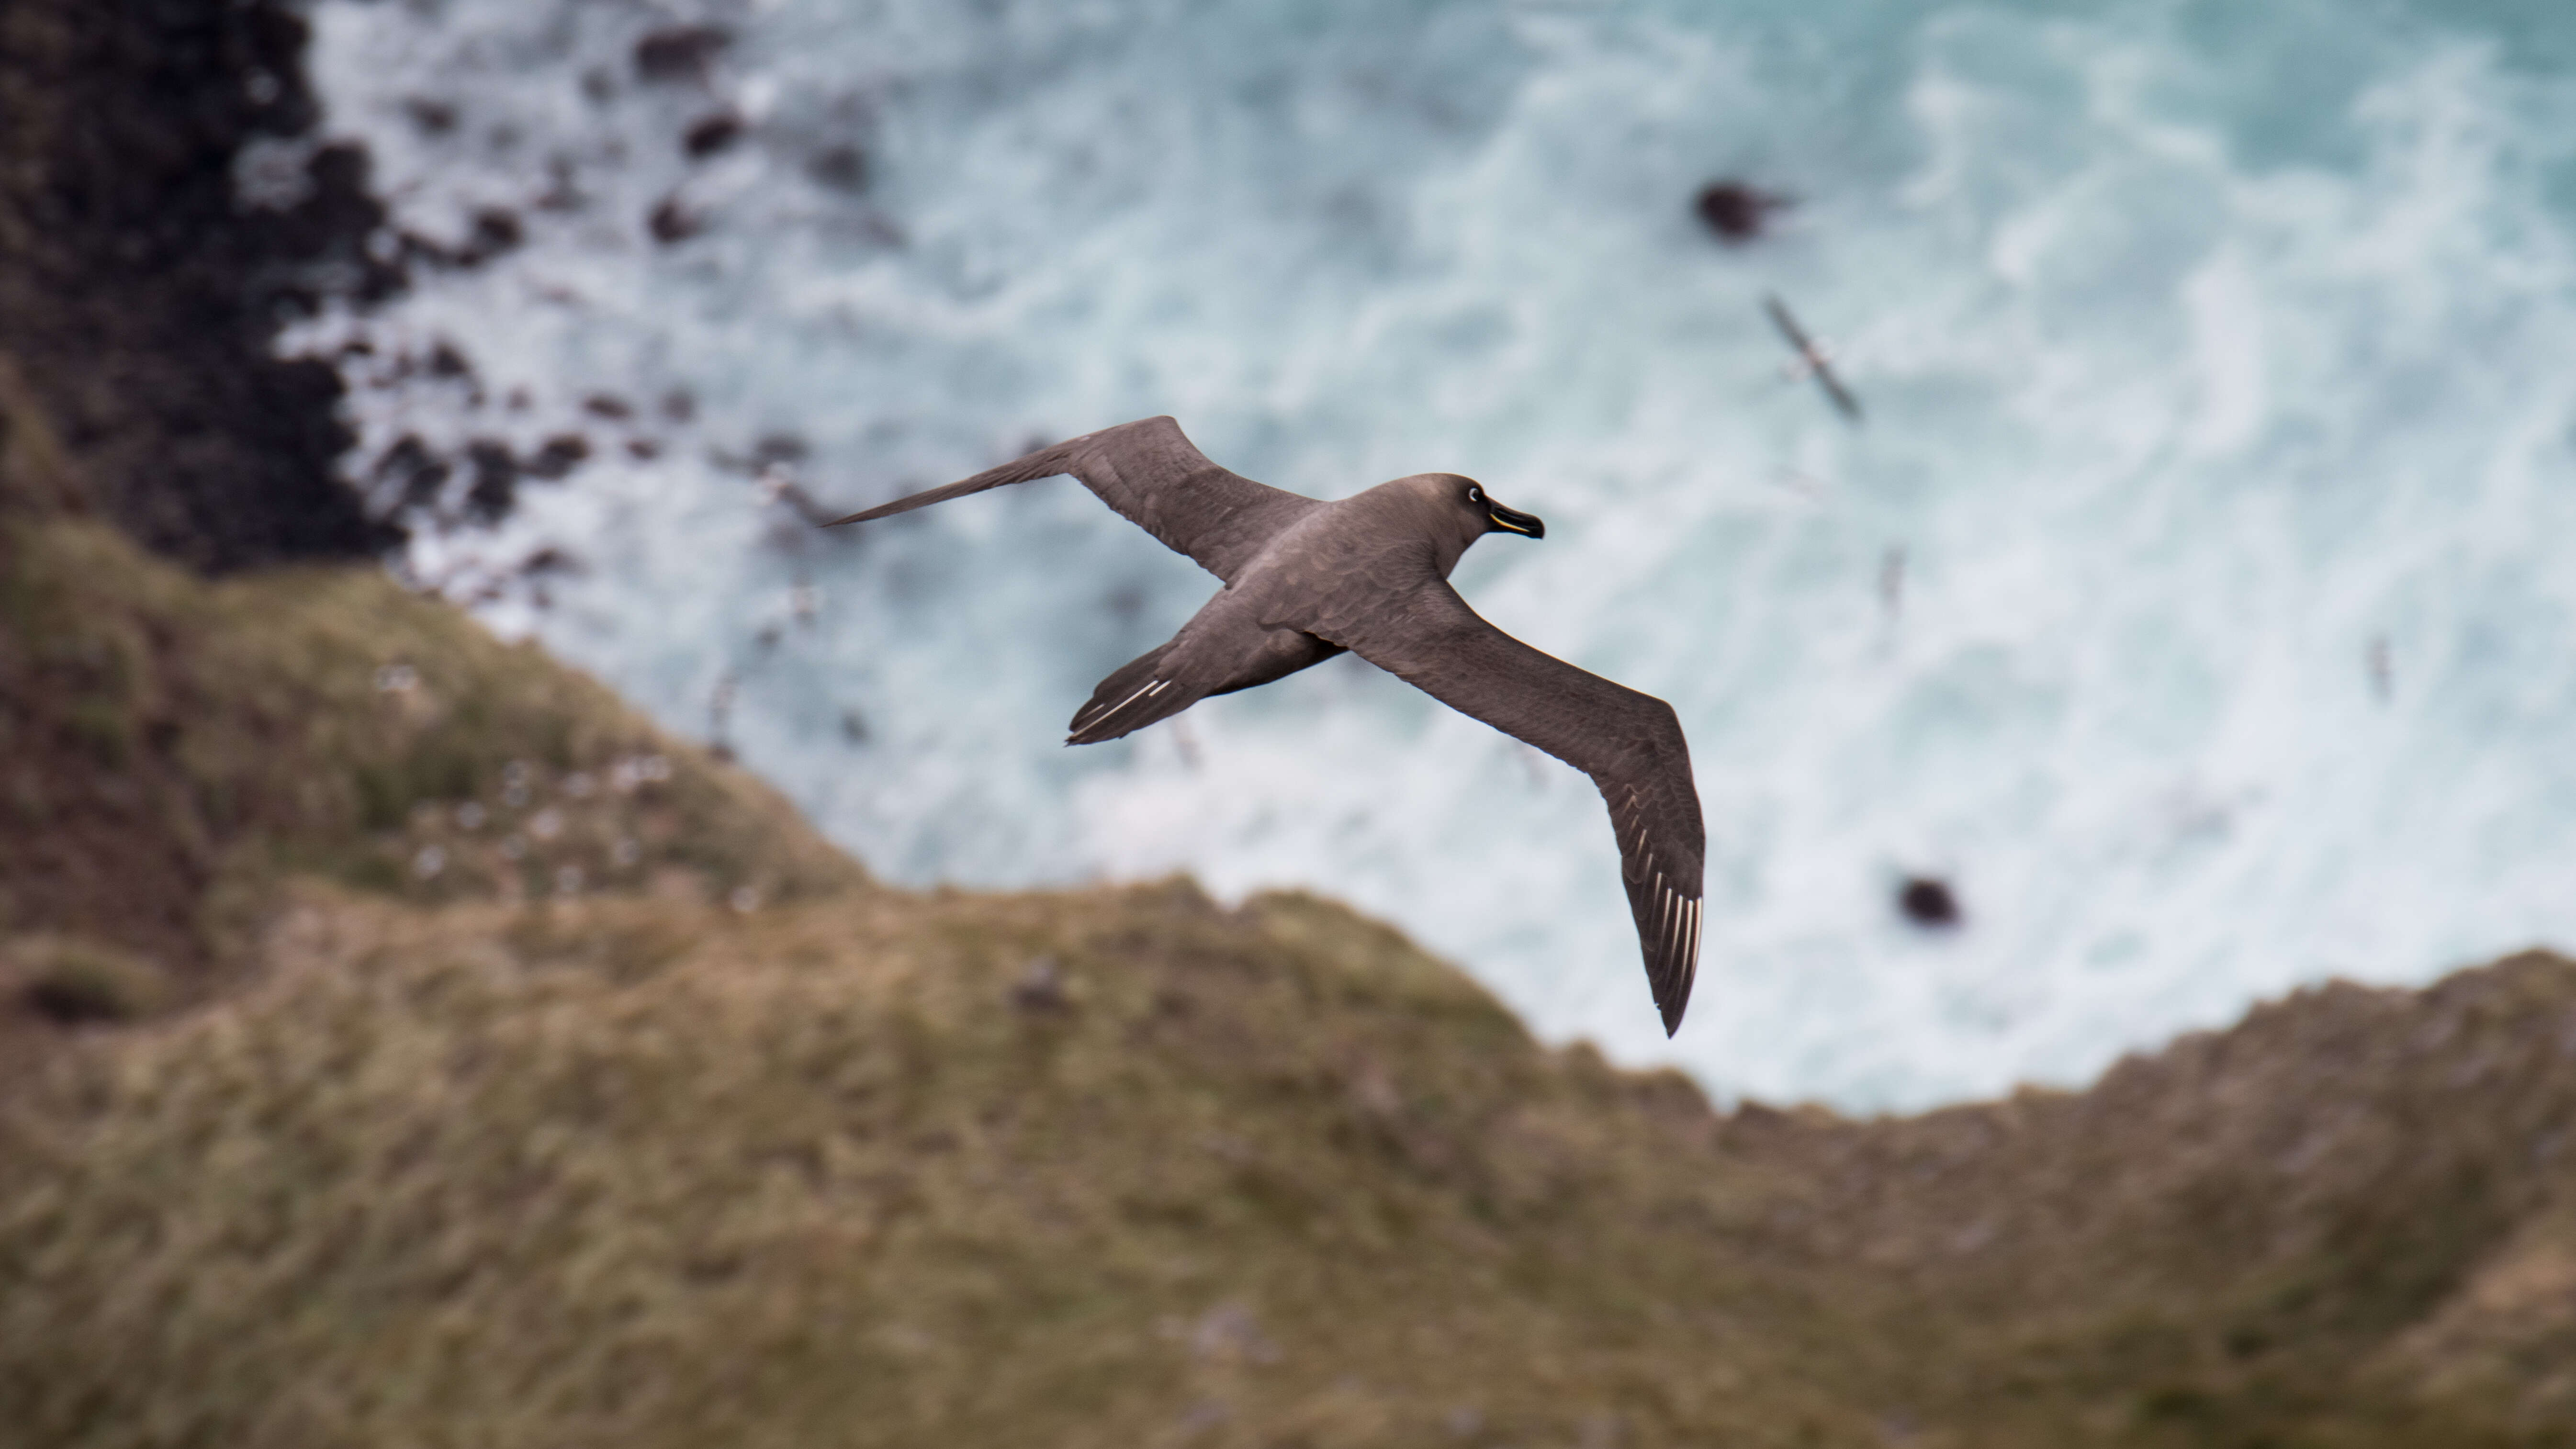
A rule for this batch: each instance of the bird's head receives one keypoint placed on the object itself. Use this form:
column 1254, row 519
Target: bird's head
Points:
column 1476, row 514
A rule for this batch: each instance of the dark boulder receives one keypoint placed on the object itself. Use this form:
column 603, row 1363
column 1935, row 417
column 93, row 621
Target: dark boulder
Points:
column 1928, row 902
column 679, row 53
column 1736, row 211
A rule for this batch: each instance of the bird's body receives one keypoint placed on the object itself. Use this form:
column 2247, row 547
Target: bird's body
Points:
column 1306, row 580
column 1316, row 581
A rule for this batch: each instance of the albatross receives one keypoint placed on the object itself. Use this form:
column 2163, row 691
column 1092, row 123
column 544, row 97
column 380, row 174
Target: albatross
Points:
column 1306, row 580
column 1813, row 359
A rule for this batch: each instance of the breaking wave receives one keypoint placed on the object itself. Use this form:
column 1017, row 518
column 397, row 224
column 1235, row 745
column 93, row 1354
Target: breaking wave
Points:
column 2193, row 603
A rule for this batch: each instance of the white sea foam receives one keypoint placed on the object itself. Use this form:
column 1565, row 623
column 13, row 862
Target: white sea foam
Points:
column 2207, row 351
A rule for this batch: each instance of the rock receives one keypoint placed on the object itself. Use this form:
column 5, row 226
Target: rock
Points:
column 1737, row 211
column 841, row 168
column 710, row 134
column 140, row 301
column 680, row 53
column 1928, row 902
column 672, row 221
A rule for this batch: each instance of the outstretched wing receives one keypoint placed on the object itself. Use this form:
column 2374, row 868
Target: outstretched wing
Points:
column 1790, row 331
column 1629, row 743
column 1837, row 394
column 1157, row 480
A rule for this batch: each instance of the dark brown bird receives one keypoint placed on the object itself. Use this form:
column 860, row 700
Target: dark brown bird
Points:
column 1812, row 359
column 1306, row 580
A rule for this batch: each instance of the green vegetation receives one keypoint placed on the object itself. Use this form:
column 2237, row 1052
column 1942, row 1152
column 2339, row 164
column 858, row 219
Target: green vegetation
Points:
column 1087, row 1169
column 1124, row 1167
column 406, row 1044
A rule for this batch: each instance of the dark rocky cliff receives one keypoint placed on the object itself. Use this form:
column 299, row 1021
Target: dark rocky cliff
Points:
column 138, row 300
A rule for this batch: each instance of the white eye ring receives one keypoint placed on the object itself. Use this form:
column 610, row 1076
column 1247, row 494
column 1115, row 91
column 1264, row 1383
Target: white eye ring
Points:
column 1475, row 495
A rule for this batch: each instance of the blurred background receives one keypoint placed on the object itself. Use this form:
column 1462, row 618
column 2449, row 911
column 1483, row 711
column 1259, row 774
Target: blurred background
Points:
column 2189, row 607
column 408, row 1037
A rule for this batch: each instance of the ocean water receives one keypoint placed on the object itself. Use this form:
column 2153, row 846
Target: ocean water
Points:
column 2195, row 600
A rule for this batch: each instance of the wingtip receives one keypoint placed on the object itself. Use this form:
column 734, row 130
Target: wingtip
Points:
column 1673, row 1010
column 1673, row 986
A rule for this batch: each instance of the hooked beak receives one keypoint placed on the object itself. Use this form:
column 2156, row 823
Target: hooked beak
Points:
column 1512, row 520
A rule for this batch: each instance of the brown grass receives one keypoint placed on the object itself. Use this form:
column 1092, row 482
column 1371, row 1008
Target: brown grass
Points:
column 171, row 747
column 1123, row 1167
column 646, row 1173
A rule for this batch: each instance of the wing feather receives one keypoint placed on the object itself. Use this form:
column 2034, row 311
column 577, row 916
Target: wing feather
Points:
column 1629, row 743
column 1152, row 474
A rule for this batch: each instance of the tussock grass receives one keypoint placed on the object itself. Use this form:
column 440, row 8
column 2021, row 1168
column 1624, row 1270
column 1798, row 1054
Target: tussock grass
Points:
column 171, row 748
column 1124, row 1167
column 2336, row 1223
column 643, row 1173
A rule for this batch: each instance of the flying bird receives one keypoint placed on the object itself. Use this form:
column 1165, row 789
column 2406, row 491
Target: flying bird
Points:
column 1306, row 580
column 1812, row 359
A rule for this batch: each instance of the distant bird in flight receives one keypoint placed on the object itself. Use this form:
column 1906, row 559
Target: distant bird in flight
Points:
column 1306, row 580
column 1812, row 359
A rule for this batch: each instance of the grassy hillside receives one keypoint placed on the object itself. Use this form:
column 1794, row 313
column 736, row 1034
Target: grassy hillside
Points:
column 1105, row 1169
column 2344, row 1221
column 1123, row 1167
column 407, row 1044
column 171, row 744
column 171, row 749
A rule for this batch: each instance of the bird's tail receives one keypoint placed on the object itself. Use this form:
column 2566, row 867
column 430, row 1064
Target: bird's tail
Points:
column 1139, row 693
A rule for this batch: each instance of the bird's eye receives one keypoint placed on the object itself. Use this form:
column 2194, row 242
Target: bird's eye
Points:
column 1475, row 494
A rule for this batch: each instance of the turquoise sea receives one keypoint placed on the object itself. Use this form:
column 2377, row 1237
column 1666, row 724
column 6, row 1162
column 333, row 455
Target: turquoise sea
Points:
column 2197, row 599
